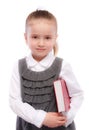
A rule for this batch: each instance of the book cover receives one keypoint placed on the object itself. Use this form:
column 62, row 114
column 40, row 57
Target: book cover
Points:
column 62, row 95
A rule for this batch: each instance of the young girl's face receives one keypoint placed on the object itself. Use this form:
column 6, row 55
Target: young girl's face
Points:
column 40, row 37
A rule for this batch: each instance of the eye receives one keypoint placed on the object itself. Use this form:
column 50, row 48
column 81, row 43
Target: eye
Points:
column 48, row 37
column 35, row 37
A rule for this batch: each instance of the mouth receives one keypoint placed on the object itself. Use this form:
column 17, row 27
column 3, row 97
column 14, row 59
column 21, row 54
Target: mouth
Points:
column 40, row 49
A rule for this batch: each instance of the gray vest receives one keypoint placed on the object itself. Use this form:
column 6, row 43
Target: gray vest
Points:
column 37, row 90
column 37, row 87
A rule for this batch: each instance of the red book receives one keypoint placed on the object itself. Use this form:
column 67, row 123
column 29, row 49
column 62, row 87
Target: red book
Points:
column 62, row 95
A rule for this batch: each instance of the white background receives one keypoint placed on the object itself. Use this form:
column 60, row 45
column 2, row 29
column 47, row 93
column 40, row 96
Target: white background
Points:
column 73, row 31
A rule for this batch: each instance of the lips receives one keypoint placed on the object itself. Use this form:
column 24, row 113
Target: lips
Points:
column 40, row 49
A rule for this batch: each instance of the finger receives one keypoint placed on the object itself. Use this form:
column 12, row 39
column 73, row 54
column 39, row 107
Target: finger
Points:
column 61, row 122
column 62, row 118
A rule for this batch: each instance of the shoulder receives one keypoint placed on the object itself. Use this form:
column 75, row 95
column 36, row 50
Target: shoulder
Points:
column 66, row 69
column 64, row 62
column 65, row 65
column 22, row 61
column 17, row 62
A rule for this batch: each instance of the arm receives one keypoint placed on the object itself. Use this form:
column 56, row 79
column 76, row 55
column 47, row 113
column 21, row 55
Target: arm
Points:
column 54, row 119
column 23, row 110
column 26, row 111
column 74, row 89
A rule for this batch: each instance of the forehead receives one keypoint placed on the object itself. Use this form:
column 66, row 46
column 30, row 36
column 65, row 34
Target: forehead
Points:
column 41, row 19
column 42, row 24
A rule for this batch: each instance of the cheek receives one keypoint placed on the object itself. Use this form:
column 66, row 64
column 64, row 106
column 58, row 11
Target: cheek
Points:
column 32, row 45
column 51, row 45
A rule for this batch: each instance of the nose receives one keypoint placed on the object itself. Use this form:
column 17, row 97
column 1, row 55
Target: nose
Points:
column 41, row 42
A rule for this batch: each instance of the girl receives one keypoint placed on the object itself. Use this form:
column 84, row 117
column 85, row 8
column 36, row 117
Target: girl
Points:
column 32, row 95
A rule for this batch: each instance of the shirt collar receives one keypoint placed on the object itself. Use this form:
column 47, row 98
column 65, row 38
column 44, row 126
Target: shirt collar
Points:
column 31, row 62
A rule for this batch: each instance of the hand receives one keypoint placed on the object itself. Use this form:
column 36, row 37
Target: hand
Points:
column 54, row 119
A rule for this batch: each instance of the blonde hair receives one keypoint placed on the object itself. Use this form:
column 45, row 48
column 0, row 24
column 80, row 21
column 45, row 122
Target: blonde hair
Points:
column 55, row 49
column 45, row 15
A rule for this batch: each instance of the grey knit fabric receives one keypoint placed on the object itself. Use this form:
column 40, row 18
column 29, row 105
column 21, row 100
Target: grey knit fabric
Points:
column 37, row 87
column 37, row 90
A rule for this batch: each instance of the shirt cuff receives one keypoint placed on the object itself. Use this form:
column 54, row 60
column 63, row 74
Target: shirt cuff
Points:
column 39, row 118
column 70, row 118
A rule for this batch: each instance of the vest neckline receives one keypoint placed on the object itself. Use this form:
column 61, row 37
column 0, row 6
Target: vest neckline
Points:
column 46, row 74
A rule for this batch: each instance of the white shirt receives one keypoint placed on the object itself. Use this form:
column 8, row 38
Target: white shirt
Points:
column 26, row 111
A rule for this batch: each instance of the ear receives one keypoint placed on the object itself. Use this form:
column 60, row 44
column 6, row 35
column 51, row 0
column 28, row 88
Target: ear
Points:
column 25, row 37
column 56, row 36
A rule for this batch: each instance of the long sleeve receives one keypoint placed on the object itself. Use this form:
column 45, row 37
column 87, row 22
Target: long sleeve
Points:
column 23, row 110
column 26, row 111
column 74, row 89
